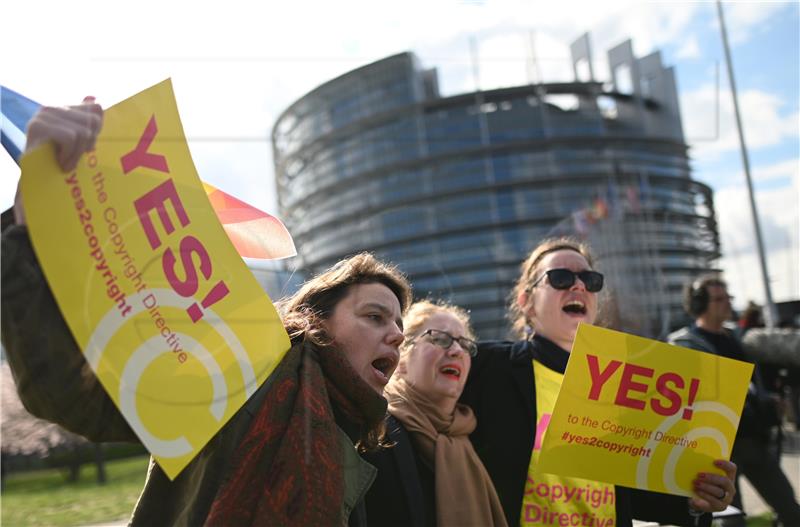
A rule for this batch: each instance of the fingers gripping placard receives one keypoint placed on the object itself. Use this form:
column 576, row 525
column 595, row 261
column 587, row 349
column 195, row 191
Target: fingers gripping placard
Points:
column 641, row 413
column 174, row 325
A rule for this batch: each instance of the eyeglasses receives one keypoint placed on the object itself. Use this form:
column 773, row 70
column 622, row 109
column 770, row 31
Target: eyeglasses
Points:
column 444, row 340
column 564, row 279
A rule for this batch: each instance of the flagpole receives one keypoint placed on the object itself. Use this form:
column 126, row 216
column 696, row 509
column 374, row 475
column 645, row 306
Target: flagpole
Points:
column 771, row 313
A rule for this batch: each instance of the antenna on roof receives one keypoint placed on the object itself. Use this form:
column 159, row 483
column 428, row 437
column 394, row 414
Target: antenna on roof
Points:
column 473, row 54
column 533, row 66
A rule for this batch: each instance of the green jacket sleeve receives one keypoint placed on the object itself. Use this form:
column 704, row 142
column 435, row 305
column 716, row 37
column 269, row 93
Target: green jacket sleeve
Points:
column 53, row 379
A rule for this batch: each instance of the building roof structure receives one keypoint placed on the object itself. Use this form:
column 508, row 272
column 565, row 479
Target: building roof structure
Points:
column 457, row 190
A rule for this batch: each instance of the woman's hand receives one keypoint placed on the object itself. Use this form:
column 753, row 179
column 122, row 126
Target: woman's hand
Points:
column 713, row 492
column 73, row 131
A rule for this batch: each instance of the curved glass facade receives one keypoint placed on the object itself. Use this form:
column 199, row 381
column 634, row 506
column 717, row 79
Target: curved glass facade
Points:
column 458, row 190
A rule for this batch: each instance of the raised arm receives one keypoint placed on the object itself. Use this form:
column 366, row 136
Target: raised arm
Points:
column 53, row 378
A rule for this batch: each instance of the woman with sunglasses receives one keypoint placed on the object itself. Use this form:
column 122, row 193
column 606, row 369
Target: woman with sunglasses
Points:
column 512, row 389
column 430, row 473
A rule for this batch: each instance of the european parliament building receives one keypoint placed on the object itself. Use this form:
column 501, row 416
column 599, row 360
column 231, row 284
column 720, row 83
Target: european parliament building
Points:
column 457, row 190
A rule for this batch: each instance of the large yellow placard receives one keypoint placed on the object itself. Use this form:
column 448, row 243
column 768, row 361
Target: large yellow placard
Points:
column 170, row 319
column 640, row 413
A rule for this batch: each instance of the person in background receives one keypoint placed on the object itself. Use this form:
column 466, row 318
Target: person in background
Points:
column 707, row 300
column 751, row 317
column 773, row 376
column 513, row 386
column 288, row 456
column 431, row 475
column 777, row 348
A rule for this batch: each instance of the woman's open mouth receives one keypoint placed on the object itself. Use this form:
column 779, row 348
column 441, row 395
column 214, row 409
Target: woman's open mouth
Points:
column 384, row 367
column 574, row 307
column 451, row 371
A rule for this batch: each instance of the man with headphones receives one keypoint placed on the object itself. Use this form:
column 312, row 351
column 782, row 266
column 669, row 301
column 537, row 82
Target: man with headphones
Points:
column 707, row 300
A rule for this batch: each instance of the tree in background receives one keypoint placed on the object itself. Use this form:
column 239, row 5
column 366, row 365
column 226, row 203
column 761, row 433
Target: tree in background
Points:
column 23, row 435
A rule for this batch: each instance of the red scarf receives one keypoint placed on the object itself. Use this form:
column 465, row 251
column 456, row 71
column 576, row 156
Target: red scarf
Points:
column 288, row 467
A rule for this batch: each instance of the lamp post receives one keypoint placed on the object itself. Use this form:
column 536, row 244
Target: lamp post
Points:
column 771, row 313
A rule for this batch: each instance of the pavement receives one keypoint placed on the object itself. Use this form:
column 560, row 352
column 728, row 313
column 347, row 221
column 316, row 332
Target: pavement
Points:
column 790, row 462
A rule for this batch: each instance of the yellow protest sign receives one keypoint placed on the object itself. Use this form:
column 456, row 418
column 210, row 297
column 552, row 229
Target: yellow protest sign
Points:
column 170, row 319
column 640, row 413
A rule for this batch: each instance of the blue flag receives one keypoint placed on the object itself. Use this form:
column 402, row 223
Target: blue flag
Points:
column 15, row 112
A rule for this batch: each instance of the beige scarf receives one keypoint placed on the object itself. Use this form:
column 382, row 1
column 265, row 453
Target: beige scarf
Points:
column 464, row 492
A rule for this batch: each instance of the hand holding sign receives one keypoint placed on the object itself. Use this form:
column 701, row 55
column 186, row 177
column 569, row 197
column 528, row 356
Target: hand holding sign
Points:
column 706, row 487
column 173, row 324
column 254, row 233
column 73, row 132
column 639, row 413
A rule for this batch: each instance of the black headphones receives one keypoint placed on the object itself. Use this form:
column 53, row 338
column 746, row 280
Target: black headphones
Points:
column 696, row 297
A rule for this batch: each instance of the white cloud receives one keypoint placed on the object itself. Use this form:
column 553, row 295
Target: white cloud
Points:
column 690, row 49
column 506, row 43
column 784, row 169
column 743, row 20
column 521, row 58
column 649, row 25
column 763, row 121
column 237, row 67
column 779, row 215
column 742, row 271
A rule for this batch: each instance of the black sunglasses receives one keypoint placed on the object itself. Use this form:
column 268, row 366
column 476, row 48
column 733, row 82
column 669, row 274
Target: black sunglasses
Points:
column 444, row 340
column 564, row 279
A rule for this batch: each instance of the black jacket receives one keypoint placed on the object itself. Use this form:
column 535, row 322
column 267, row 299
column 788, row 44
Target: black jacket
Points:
column 403, row 492
column 760, row 414
column 501, row 391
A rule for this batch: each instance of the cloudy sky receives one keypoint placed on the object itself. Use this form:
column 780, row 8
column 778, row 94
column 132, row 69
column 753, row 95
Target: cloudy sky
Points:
column 236, row 65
